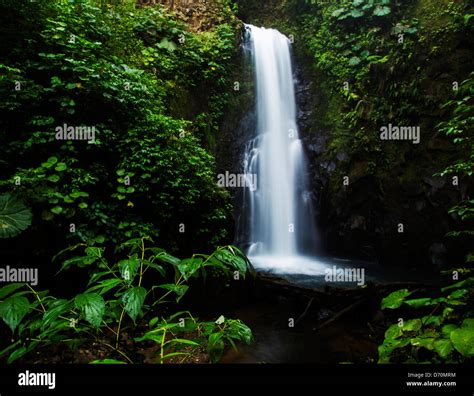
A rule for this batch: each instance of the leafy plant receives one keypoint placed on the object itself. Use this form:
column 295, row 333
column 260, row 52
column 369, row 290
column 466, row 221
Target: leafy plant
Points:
column 118, row 297
column 126, row 70
column 15, row 216
column 209, row 336
column 445, row 333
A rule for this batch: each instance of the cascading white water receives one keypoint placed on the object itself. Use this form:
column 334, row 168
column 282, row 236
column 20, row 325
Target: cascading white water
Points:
column 281, row 229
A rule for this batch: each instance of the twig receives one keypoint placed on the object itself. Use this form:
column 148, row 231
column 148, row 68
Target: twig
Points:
column 305, row 311
column 116, row 350
column 339, row 314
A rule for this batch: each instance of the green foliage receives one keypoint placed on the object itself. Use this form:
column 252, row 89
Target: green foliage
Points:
column 448, row 335
column 15, row 217
column 211, row 336
column 121, row 295
column 395, row 299
column 92, row 306
column 463, row 338
column 107, row 361
column 444, row 334
column 459, row 127
column 360, row 8
column 172, row 175
column 369, row 57
column 128, row 71
column 13, row 309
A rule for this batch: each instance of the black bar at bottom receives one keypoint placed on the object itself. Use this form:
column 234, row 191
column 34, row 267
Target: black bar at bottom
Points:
column 416, row 379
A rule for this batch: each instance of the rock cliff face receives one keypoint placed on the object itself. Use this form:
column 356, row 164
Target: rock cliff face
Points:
column 361, row 219
column 397, row 215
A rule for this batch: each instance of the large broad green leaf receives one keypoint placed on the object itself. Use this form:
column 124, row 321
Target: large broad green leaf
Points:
column 448, row 329
column 468, row 323
column 395, row 299
column 128, row 269
column 443, row 347
column 412, row 325
column 188, row 267
column 133, row 300
column 419, row 302
column 9, row 289
column 15, row 216
column 215, row 346
column 232, row 257
column 463, row 338
column 460, row 293
column 427, row 343
column 243, row 331
column 389, row 345
column 435, row 320
column 92, row 306
column 394, row 331
column 13, row 310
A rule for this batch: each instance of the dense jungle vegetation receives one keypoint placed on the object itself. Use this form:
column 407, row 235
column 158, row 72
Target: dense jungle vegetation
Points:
column 147, row 179
column 124, row 227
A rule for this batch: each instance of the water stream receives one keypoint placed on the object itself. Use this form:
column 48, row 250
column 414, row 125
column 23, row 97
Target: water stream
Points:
column 281, row 230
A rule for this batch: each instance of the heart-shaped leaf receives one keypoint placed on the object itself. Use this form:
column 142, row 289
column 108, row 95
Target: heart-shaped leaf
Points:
column 15, row 216
column 13, row 310
column 92, row 306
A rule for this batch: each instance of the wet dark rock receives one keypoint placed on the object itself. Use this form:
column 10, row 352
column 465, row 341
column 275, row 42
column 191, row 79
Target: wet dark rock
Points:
column 328, row 166
column 435, row 182
column 420, row 205
column 358, row 222
column 342, row 156
column 412, row 188
column 438, row 255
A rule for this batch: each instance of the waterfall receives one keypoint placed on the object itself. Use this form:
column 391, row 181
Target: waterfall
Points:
column 279, row 216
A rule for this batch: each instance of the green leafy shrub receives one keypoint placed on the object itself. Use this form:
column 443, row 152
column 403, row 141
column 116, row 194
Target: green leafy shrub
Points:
column 444, row 334
column 15, row 216
column 120, row 295
column 131, row 72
